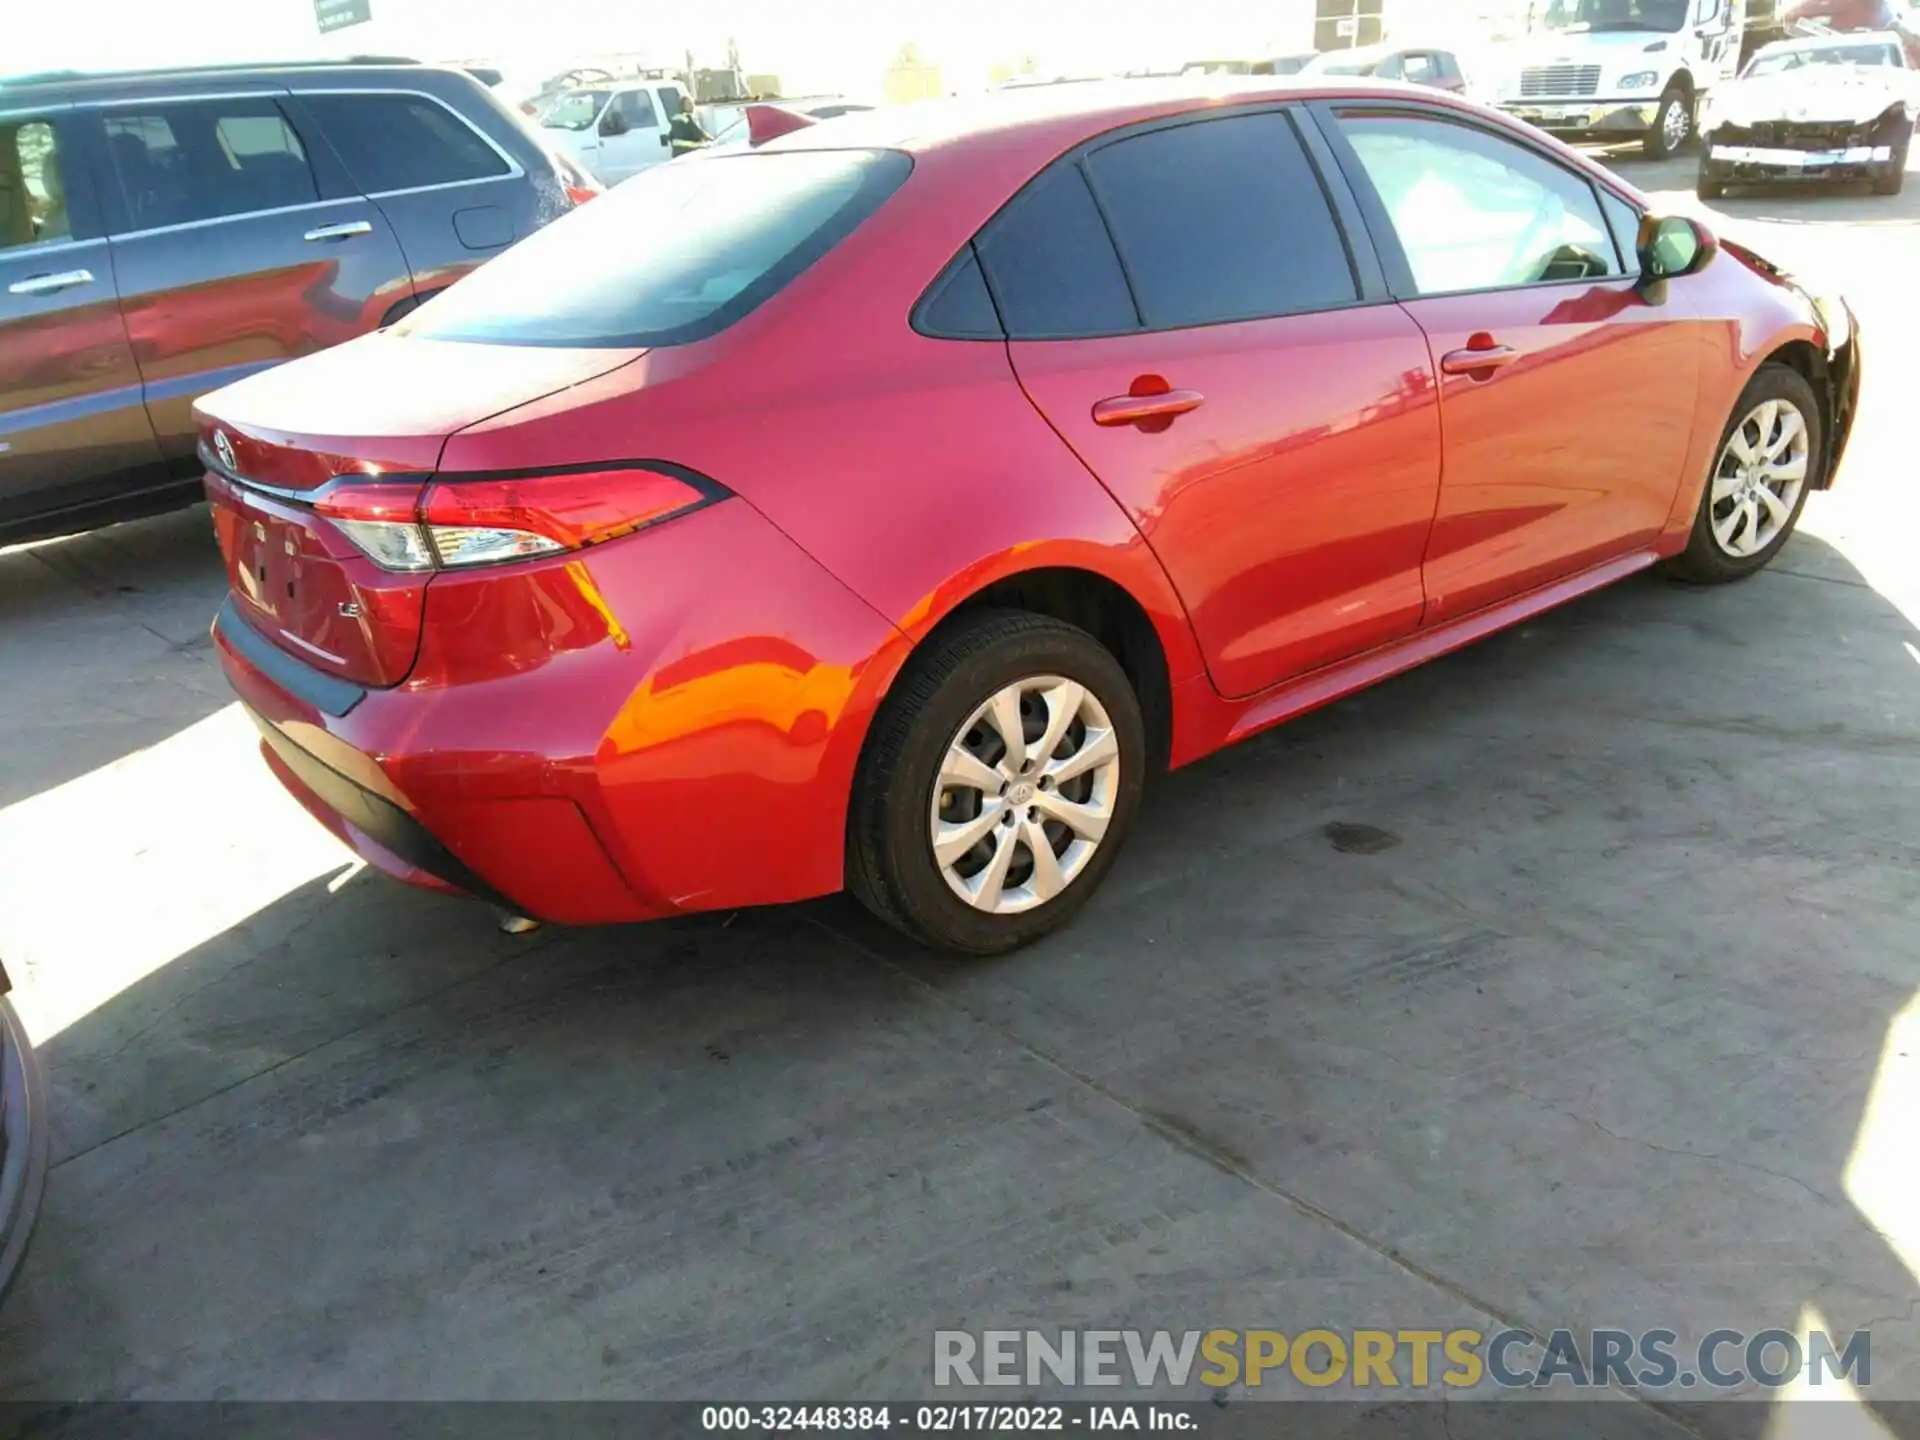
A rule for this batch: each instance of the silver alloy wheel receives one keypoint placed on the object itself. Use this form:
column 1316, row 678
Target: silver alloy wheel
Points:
column 1758, row 480
column 1025, row 794
column 1675, row 123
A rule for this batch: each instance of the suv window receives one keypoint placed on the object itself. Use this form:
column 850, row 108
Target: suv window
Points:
column 1222, row 220
column 636, row 108
column 1051, row 263
column 720, row 237
column 201, row 160
column 33, row 201
column 403, row 142
column 1475, row 211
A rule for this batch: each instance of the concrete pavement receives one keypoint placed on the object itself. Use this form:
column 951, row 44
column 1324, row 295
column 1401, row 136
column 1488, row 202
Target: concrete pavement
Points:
column 1570, row 981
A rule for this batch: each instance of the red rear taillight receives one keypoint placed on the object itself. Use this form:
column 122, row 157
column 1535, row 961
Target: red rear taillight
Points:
column 466, row 520
column 579, row 194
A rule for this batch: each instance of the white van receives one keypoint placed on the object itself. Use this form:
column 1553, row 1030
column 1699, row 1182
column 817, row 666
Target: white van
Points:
column 614, row 129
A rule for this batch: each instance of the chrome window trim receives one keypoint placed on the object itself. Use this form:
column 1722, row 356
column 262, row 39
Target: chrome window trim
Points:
column 36, row 248
column 191, row 98
column 29, row 112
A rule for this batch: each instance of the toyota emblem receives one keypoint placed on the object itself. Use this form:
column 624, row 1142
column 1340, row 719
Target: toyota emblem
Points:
column 223, row 449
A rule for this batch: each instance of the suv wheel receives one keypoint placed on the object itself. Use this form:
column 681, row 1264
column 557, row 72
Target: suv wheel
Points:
column 1002, row 776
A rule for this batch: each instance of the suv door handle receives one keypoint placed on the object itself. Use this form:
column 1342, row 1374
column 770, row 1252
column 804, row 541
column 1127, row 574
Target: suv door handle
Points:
column 345, row 230
column 47, row 284
column 1131, row 409
column 1477, row 358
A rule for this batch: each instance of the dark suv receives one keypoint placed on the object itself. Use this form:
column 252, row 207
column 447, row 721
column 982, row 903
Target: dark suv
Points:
column 166, row 232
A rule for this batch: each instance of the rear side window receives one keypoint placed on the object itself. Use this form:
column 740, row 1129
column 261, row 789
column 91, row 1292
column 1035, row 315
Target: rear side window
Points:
column 1051, row 263
column 205, row 160
column 958, row 306
column 674, row 255
column 1222, row 220
column 403, row 142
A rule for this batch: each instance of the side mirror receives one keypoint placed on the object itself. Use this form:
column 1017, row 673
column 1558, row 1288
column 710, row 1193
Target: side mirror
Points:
column 613, row 123
column 1673, row 246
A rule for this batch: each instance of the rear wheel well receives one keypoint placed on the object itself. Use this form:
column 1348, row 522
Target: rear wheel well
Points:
column 1105, row 611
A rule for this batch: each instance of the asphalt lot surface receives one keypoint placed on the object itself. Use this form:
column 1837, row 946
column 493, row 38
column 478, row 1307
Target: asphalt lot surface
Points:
column 1612, row 1022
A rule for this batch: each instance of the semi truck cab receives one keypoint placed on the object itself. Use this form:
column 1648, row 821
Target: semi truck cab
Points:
column 1620, row 70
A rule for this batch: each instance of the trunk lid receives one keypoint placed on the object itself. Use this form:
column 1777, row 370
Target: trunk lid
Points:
column 367, row 418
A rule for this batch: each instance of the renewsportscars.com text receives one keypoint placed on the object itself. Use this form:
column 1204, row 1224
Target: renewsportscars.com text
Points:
column 1394, row 1359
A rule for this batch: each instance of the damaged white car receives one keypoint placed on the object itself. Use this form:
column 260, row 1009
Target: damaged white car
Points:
column 1824, row 107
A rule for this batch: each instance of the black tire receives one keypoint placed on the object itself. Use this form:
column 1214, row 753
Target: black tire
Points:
column 890, row 862
column 1654, row 145
column 1704, row 561
column 1893, row 178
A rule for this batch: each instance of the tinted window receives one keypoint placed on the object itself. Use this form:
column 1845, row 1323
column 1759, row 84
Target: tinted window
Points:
column 176, row 163
column 1222, row 220
column 636, row 108
column 1051, row 264
column 33, row 196
column 402, row 142
column 675, row 254
column 1474, row 211
column 958, row 306
column 670, row 97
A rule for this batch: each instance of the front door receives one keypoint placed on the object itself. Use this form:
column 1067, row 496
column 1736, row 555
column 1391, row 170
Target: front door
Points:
column 1217, row 363
column 634, row 141
column 229, row 257
column 1567, row 395
column 72, row 425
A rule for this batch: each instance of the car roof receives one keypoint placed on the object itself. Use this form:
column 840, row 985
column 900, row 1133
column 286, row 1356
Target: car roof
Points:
column 79, row 88
column 1046, row 110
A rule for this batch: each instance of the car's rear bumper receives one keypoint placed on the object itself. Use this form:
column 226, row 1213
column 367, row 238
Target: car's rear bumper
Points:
column 588, row 740
column 25, row 1132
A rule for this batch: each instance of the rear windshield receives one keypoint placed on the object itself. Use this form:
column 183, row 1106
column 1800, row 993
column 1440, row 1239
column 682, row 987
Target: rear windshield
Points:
column 676, row 254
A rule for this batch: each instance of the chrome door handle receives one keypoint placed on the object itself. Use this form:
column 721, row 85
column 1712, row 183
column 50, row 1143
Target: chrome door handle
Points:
column 47, row 284
column 345, row 230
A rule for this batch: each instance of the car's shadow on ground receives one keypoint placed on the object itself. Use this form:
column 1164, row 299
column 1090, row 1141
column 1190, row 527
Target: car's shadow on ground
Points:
column 1548, row 985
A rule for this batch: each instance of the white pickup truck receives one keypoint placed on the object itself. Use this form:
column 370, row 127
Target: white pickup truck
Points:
column 1619, row 70
column 616, row 128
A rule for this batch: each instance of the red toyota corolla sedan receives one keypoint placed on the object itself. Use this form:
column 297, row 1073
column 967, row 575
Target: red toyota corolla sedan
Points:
column 877, row 508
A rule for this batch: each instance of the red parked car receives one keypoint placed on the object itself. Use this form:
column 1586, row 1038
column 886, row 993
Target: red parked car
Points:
column 878, row 507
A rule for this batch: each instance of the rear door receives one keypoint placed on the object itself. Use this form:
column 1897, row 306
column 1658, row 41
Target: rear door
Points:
column 453, row 196
column 1188, row 312
column 1567, row 395
column 73, row 428
column 230, row 255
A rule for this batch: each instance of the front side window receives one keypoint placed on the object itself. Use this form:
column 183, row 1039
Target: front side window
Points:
column 403, row 142
column 1222, row 220
column 575, row 110
column 33, row 196
column 674, row 255
column 1474, row 211
column 205, row 160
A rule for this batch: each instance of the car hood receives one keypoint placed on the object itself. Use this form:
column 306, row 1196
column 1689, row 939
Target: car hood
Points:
column 1853, row 94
